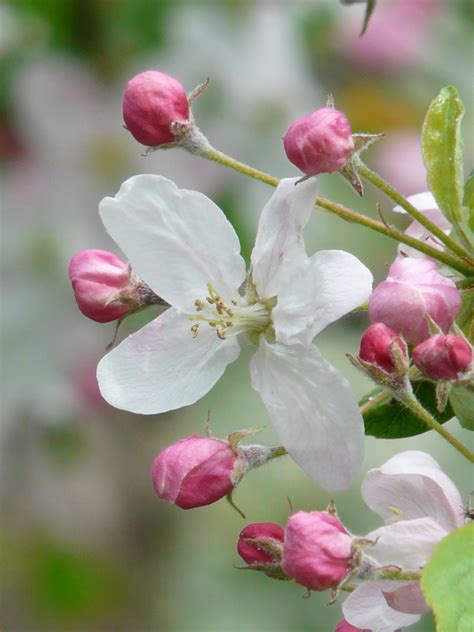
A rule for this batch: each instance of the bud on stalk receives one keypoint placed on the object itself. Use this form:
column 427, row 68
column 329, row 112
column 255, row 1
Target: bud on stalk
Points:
column 261, row 543
column 320, row 142
column 444, row 357
column 376, row 347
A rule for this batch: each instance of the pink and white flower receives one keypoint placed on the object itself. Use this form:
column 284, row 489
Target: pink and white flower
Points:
column 426, row 204
column 181, row 244
column 420, row 505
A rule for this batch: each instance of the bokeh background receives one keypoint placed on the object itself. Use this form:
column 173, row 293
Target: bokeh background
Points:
column 86, row 544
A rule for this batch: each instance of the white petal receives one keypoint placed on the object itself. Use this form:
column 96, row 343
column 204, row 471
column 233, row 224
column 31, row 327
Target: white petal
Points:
column 407, row 544
column 367, row 607
column 176, row 240
column 161, row 367
column 412, row 485
column 279, row 246
column 421, row 201
column 328, row 286
column 408, row 599
column 313, row 410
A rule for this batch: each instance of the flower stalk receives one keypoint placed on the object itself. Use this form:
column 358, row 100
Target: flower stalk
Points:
column 347, row 214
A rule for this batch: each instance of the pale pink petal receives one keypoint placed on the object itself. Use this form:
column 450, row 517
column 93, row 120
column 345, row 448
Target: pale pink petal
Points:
column 327, row 286
column 161, row 367
column 407, row 544
column 367, row 607
column 408, row 599
column 313, row 409
column 279, row 246
column 177, row 240
column 412, row 485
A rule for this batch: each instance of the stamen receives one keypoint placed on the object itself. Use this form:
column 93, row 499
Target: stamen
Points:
column 199, row 304
column 195, row 330
column 395, row 510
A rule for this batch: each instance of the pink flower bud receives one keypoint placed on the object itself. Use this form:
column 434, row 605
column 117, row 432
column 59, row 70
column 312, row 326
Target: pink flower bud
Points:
column 375, row 346
column 102, row 284
column 344, row 626
column 320, row 142
column 413, row 290
column 196, row 471
column 317, row 551
column 443, row 357
column 152, row 101
column 261, row 543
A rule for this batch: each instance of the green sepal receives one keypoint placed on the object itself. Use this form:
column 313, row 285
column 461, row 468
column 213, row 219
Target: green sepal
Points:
column 448, row 579
column 391, row 420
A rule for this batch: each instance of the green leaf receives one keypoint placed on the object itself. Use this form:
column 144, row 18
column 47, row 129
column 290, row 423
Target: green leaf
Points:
column 442, row 152
column 447, row 581
column 462, row 402
column 468, row 202
column 391, row 420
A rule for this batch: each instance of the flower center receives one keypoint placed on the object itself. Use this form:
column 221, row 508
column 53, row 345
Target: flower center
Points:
column 229, row 320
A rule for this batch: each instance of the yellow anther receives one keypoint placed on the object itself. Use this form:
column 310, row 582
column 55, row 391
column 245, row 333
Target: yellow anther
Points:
column 395, row 510
column 234, row 301
column 199, row 305
column 209, row 300
column 221, row 333
column 194, row 330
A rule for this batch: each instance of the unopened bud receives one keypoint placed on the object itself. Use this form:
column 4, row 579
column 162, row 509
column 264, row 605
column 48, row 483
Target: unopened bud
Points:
column 376, row 346
column 103, row 284
column 153, row 101
column 443, row 357
column 317, row 551
column 414, row 290
column 261, row 543
column 320, row 142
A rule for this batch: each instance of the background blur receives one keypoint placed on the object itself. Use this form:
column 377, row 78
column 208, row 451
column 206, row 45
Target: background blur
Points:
column 86, row 544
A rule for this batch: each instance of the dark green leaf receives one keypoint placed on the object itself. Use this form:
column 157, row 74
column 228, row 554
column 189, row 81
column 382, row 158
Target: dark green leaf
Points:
column 368, row 13
column 448, row 579
column 391, row 420
column 462, row 402
column 442, row 152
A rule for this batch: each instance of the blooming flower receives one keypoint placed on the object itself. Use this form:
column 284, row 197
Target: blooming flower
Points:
column 420, row 505
column 426, row 203
column 181, row 244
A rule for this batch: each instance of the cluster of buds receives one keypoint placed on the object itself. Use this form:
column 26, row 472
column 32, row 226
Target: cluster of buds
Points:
column 105, row 287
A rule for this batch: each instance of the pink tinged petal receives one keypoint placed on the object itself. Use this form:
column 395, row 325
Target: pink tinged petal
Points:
column 412, row 485
column 407, row 544
column 329, row 285
column 161, row 367
column 313, row 410
column 177, row 240
column 408, row 599
column 367, row 607
column 279, row 246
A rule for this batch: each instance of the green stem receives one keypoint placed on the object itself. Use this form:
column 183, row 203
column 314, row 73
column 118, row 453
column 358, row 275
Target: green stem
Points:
column 397, row 574
column 397, row 197
column 414, row 405
column 347, row 214
column 277, row 451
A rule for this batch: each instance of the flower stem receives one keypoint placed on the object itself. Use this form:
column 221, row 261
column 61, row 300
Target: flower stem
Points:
column 414, row 405
column 277, row 451
column 347, row 214
column 398, row 574
column 397, row 197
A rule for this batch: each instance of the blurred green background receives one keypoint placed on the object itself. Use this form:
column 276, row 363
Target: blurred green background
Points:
column 86, row 544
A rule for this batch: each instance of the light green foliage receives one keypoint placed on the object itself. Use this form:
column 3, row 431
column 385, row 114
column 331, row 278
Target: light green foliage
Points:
column 447, row 581
column 442, row 152
column 468, row 204
column 462, row 402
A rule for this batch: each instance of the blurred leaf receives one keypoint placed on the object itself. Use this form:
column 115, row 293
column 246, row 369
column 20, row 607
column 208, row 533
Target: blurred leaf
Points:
column 462, row 403
column 447, row 581
column 368, row 14
column 391, row 420
column 442, row 152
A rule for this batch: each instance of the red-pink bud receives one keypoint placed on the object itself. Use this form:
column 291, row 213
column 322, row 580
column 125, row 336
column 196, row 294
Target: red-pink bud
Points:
column 261, row 543
column 443, row 357
column 413, row 290
column 344, row 626
column 152, row 101
column 376, row 346
column 320, row 142
column 102, row 285
column 196, row 471
column 317, row 550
